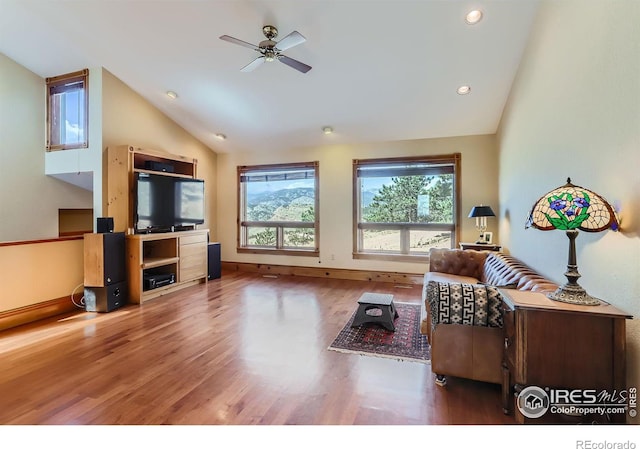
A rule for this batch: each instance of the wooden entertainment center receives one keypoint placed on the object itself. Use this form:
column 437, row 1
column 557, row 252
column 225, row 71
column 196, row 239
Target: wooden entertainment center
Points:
column 174, row 259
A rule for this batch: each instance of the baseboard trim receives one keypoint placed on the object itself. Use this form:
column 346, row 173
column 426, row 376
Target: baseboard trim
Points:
column 329, row 273
column 35, row 312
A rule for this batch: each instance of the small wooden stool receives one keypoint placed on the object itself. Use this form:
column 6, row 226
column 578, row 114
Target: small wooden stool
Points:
column 376, row 308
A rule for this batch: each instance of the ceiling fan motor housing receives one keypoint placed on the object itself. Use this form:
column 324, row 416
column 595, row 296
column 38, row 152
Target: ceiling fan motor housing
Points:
column 267, row 48
column 268, row 44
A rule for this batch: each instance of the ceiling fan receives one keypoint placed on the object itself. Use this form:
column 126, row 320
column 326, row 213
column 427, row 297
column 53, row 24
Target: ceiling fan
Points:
column 271, row 50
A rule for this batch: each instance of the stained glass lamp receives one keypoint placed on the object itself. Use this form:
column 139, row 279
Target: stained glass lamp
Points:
column 569, row 208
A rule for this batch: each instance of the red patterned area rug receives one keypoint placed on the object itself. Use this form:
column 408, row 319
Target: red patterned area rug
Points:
column 406, row 343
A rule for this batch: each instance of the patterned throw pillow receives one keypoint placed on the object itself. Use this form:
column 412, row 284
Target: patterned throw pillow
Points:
column 465, row 304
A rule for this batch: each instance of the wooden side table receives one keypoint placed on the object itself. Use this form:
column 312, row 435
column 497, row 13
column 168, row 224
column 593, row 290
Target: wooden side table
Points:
column 555, row 345
column 480, row 246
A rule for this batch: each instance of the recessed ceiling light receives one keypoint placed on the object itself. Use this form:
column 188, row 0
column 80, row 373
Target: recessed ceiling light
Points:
column 473, row 17
column 220, row 136
column 171, row 94
column 464, row 90
column 327, row 130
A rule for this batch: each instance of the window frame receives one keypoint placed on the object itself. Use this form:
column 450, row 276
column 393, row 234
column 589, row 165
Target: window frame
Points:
column 279, row 249
column 404, row 228
column 56, row 82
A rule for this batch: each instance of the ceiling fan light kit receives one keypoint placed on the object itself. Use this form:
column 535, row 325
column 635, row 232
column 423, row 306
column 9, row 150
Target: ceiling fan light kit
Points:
column 270, row 50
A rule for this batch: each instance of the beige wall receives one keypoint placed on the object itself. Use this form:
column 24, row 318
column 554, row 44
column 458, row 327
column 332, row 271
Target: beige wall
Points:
column 29, row 200
column 575, row 111
column 128, row 119
column 479, row 185
column 38, row 272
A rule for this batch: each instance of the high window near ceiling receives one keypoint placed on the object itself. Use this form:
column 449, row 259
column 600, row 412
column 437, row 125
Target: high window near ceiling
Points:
column 278, row 209
column 67, row 111
column 405, row 206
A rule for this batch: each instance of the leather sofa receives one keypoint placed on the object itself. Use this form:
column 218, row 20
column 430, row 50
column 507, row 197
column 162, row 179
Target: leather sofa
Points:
column 472, row 351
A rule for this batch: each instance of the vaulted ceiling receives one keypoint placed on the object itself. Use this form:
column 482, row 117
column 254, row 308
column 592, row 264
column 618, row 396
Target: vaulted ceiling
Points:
column 381, row 69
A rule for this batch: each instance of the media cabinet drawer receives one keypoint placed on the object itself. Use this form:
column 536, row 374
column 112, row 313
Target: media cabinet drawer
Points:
column 192, row 267
column 190, row 239
column 197, row 249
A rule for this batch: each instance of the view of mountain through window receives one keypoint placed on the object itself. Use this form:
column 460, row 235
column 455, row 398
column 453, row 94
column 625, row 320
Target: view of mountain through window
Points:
column 278, row 207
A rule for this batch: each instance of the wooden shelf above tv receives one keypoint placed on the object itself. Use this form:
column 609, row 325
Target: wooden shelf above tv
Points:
column 153, row 172
column 181, row 165
column 120, row 164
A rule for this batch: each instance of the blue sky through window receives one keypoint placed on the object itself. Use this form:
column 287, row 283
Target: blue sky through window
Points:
column 73, row 108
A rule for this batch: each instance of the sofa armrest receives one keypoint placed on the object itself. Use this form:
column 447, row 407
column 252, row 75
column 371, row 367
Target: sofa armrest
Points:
column 425, row 323
column 465, row 304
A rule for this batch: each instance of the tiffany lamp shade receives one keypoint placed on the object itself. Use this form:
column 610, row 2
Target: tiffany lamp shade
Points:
column 570, row 208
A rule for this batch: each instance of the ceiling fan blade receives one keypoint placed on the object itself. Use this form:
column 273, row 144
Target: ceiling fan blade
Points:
column 290, row 40
column 253, row 64
column 233, row 40
column 304, row 68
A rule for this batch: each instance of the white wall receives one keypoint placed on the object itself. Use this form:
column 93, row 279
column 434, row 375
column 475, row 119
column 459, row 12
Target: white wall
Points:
column 574, row 111
column 479, row 185
column 29, row 200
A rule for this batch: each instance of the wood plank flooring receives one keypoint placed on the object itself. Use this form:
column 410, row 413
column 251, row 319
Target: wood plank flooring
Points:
column 243, row 349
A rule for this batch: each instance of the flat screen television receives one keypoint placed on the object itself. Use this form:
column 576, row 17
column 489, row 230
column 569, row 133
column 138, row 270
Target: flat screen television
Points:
column 166, row 203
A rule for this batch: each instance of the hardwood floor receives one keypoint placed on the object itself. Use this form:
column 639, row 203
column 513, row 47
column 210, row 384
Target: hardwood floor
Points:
column 243, row 349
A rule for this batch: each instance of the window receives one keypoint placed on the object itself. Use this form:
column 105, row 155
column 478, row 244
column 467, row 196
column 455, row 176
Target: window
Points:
column 405, row 206
column 67, row 111
column 278, row 209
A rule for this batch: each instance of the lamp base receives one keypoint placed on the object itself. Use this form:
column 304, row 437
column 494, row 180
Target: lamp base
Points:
column 573, row 294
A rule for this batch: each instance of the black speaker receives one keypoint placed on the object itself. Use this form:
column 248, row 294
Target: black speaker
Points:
column 104, row 224
column 213, row 259
column 105, row 299
column 104, row 259
column 159, row 166
column 115, row 262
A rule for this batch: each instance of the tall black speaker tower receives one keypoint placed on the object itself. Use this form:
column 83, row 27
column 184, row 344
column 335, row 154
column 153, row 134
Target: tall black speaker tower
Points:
column 105, row 274
column 215, row 268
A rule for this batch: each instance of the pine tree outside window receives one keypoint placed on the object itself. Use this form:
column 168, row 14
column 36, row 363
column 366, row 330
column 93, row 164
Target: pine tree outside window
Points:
column 405, row 206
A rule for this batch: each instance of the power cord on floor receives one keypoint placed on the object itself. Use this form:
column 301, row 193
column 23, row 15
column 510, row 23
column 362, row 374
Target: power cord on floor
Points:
column 81, row 305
